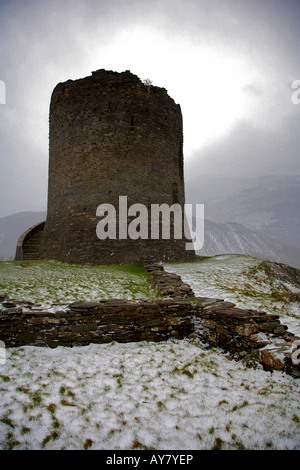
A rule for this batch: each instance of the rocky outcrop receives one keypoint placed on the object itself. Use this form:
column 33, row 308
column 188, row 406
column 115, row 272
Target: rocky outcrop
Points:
column 282, row 272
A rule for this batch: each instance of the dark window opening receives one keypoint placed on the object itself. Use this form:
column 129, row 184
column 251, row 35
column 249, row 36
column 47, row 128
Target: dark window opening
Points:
column 131, row 124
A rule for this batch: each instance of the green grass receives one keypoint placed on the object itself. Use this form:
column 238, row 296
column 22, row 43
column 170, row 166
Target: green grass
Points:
column 52, row 282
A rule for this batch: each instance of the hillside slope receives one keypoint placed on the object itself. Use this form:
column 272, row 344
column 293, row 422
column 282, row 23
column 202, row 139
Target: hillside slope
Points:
column 234, row 238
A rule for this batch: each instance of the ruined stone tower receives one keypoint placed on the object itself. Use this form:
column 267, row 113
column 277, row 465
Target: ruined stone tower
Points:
column 111, row 135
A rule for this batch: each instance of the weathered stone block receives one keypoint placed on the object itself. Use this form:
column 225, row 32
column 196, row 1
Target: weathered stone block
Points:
column 247, row 330
column 209, row 324
column 269, row 326
column 271, row 359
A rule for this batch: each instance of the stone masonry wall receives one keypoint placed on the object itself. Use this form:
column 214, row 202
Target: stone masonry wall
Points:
column 83, row 323
column 256, row 337
column 110, row 136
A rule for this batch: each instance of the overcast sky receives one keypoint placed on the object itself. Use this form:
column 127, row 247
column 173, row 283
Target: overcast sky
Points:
column 230, row 64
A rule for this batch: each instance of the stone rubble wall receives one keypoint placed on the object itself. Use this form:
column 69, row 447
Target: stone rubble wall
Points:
column 257, row 337
column 82, row 323
column 167, row 284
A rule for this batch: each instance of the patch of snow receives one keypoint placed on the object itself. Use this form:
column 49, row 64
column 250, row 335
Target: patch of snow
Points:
column 170, row 395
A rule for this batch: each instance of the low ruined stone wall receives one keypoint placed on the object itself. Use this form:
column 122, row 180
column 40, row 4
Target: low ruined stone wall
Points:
column 83, row 323
column 167, row 284
column 257, row 337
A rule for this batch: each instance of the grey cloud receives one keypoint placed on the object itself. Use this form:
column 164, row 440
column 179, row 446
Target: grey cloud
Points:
column 43, row 43
column 249, row 151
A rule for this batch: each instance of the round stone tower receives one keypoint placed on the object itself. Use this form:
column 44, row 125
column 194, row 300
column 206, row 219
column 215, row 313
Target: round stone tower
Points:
column 111, row 135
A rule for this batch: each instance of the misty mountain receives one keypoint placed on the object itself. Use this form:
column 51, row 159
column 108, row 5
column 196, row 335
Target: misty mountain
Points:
column 234, row 238
column 12, row 226
column 269, row 205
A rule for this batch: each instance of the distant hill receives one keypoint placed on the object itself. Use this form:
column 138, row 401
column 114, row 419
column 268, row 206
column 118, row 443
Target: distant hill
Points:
column 233, row 238
column 12, row 226
column 268, row 205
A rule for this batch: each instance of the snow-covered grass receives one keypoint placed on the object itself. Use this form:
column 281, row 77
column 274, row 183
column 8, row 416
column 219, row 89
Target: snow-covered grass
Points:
column 49, row 282
column 241, row 280
column 170, row 395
